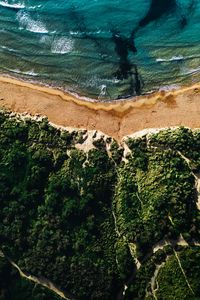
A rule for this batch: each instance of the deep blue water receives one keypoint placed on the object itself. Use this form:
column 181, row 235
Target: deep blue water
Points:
column 101, row 48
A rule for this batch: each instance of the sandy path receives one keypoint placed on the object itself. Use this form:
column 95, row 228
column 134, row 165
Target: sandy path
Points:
column 117, row 119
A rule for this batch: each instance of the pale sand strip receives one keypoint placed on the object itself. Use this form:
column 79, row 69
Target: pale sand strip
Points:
column 117, row 119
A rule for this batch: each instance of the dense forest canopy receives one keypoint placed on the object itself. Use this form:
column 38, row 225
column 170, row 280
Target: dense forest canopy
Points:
column 103, row 222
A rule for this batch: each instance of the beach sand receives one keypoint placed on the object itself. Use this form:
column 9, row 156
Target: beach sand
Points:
column 116, row 119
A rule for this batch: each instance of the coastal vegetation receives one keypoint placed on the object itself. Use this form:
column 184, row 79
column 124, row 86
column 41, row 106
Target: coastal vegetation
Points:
column 99, row 220
column 14, row 287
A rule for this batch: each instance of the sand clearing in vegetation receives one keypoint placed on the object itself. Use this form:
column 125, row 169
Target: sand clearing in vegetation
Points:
column 117, row 119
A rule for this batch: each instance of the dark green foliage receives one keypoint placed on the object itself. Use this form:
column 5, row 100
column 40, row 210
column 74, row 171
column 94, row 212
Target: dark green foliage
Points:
column 14, row 287
column 125, row 261
column 86, row 220
column 155, row 199
column 173, row 284
column 55, row 208
column 99, row 144
column 116, row 151
column 137, row 288
column 182, row 139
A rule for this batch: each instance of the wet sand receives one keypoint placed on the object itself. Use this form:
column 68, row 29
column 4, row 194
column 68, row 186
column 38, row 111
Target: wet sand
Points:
column 117, row 119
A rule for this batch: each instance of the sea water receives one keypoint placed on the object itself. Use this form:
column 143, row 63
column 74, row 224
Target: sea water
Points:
column 102, row 49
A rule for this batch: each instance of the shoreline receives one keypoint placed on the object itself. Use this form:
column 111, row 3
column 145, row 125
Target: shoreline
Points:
column 87, row 101
column 117, row 118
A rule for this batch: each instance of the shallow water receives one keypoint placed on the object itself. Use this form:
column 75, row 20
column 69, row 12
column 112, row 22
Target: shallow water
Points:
column 102, row 49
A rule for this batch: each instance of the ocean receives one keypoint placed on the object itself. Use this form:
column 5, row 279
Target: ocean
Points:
column 101, row 49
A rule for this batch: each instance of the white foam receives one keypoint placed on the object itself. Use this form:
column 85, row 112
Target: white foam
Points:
column 62, row 45
column 7, row 48
column 31, row 73
column 18, row 71
column 87, row 32
column 33, row 7
column 103, row 91
column 16, row 5
column 169, row 87
column 191, row 71
column 26, row 22
column 115, row 80
column 74, row 32
column 173, row 58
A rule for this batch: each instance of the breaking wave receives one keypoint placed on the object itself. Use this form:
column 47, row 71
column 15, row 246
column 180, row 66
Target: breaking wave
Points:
column 191, row 71
column 27, row 23
column 18, row 71
column 17, row 5
column 173, row 58
column 62, row 45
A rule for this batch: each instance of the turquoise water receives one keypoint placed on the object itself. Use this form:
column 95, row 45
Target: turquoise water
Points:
column 103, row 49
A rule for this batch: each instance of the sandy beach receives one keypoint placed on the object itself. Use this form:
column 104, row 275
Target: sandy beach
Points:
column 117, row 119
